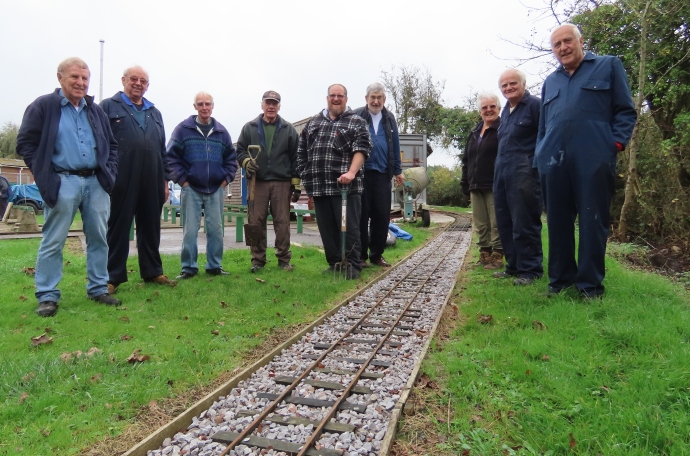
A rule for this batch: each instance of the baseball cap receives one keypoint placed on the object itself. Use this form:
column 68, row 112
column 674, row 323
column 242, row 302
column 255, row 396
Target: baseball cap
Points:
column 271, row 95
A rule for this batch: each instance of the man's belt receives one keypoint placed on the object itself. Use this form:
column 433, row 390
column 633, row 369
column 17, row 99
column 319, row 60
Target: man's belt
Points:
column 81, row 172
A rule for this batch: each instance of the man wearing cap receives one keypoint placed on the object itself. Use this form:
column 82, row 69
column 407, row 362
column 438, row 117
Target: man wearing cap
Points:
column 66, row 142
column 275, row 171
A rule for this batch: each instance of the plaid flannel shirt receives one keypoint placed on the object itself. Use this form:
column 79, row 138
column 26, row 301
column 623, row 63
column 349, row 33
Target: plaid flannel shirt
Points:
column 326, row 149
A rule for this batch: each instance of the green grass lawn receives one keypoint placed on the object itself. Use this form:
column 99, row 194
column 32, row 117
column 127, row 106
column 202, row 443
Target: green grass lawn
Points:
column 56, row 399
column 565, row 376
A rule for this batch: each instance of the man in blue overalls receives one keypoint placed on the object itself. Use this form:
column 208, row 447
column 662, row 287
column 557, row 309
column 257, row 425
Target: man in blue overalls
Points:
column 517, row 196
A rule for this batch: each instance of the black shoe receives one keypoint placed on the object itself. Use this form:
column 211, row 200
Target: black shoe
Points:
column 256, row 269
column 522, row 280
column 47, row 308
column 502, row 275
column 591, row 296
column 106, row 299
column 285, row 266
column 330, row 270
column 552, row 292
column 185, row 275
column 217, row 272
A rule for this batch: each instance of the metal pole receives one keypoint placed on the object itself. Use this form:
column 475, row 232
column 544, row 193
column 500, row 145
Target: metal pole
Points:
column 100, row 91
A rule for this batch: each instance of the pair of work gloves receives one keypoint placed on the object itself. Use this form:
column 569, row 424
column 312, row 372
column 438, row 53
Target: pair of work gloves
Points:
column 251, row 167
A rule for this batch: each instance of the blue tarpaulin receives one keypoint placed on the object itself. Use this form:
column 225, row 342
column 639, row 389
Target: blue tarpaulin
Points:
column 399, row 233
column 26, row 191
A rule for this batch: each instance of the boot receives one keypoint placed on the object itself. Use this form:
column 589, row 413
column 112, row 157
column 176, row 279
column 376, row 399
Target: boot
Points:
column 484, row 258
column 495, row 262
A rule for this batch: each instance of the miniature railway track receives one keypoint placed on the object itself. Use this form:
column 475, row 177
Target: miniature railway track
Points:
column 331, row 393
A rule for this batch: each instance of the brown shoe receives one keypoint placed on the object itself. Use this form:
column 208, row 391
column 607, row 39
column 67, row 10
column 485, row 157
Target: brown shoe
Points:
column 484, row 258
column 364, row 264
column 381, row 262
column 496, row 262
column 161, row 280
column 112, row 288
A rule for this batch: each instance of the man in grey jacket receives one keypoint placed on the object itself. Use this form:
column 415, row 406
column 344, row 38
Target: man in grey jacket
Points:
column 275, row 171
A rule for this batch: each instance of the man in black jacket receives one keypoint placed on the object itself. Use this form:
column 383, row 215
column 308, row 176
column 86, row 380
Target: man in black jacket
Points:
column 277, row 181
column 67, row 144
column 141, row 188
column 383, row 163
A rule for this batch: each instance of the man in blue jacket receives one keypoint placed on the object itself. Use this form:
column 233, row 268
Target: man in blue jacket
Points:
column 203, row 161
column 383, row 163
column 517, row 196
column 66, row 142
column 141, row 189
column 587, row 117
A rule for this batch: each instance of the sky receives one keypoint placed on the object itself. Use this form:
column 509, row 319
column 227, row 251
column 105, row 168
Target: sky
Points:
column 237, row 50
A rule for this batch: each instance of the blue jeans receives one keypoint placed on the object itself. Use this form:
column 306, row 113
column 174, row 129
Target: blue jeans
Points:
column 190, row 204
column 87, row 195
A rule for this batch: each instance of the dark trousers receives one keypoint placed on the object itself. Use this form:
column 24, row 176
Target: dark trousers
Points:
column 328, row 219
column 376, row 209
column 277, row 193
column 517, row 200
column 139, row 195
column 580, row 186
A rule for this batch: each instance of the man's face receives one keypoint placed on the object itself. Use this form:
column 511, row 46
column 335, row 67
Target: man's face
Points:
column 567, row 49
column 204, row 108
column 75, row 83
column 337, row 100
column 270, row 109
column 511, row 87
column 489, row 110
column 135, row 84
column 375, row 102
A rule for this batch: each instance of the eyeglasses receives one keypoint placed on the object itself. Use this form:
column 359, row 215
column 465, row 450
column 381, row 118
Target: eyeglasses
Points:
column 134, row 80
column 204, row 103
column 332, row 96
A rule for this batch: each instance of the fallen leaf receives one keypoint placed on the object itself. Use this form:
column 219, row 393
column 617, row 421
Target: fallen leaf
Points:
column 321, row 366
column 278, row 314
column 23, row 315
column 28, row 377
column 484, row 319
column 22, row 298
column 218, row 419
column 45, row 432
column 605, row 388
column 572, row 441
column 545, row 358
column 536, row 324
column 23, row 397
column 120, row 308
column 257, row 279
column 92, row 351
column 422, row 381
column 215, row 332
column 66, row 357
column 257, row 334
column 528, row 372
column 125, row 319
column 96, row 378
column 108, row 406
column 29, row 271
column 126, row 337
column 155, row 293
column 222, row 323
column 420, row 333
column 135, row 357
column 152, row 327
column 276, row 286
column 153, row 406
column 41, row 340
column 223, row 304
column 78, row 353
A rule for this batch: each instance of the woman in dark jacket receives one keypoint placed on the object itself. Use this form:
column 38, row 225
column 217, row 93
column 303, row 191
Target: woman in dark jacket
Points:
column 478, row 178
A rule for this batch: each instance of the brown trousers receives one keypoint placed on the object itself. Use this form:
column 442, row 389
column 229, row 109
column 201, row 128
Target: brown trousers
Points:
column 277, row 194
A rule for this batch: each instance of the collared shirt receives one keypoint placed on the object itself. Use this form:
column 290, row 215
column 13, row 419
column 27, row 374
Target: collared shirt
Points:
column 75, row 145
column 140, row 115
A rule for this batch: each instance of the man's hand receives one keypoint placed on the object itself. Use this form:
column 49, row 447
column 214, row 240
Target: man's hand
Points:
column 399, row 180
column 167, row 190
column 296, row 192
column 347, row 177
column 250, row 167
column 224, row 183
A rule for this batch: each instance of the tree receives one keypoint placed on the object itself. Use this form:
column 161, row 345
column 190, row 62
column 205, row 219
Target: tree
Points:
column 457, row 124
column 8, row 140
column 417, row 100
column 444, row 187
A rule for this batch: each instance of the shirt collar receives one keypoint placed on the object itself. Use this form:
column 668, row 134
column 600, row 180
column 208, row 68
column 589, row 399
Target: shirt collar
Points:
column 147, row 103
column 64, row 101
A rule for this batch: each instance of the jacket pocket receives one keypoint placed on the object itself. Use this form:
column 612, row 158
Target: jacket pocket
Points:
column 595, row 96
column 550, row 105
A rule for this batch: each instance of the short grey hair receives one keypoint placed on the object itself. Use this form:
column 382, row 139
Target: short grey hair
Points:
column 333, row 85
column 376, row 88
column 70, row 62
column 196, row 97
column 521, row 76
column 128, row 69
column 576, row 30
column 488, row 96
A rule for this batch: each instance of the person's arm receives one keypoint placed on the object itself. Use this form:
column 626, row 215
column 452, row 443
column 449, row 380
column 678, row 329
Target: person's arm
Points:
column 357, row 163
column 229, row 160
column 29, row 135
column 175, row 157
column 397, row 161
column 624, row 113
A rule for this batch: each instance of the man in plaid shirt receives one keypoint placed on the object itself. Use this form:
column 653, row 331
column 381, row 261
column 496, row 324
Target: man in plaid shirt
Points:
column 331, row 152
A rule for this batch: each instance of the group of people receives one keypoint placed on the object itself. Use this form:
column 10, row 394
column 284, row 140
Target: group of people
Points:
column 111, row 163
column 556, row 154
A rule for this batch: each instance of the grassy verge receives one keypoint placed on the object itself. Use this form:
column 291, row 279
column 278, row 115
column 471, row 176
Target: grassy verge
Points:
column 558, row 375
column 57, row 398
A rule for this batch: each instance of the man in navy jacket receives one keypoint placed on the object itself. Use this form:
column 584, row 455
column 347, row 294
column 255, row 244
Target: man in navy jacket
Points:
column 587, row 117
column 67, row 144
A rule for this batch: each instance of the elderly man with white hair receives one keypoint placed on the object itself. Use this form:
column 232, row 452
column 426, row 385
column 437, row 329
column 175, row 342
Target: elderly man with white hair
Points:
column 203, row 161
column 517, row 195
